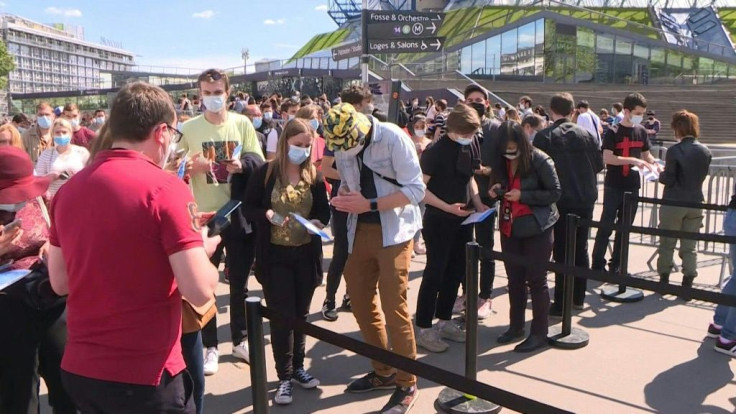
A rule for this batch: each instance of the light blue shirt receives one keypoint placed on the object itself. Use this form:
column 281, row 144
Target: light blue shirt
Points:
column 392, row 154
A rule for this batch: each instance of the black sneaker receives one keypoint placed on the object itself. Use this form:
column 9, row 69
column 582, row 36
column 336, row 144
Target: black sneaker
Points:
column 328, row 311
column 401, row 400
column 283, row 393
column 305, row 379
column 728, row 347
column 346, row 304
column 714, row 331
column 372, row 381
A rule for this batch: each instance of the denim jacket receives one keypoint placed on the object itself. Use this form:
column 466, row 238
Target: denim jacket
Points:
column 392, row 154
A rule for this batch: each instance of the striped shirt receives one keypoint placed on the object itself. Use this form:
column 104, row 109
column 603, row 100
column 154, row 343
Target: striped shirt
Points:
column 71, row 162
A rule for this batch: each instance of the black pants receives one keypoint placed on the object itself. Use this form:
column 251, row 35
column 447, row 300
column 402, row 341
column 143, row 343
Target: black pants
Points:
column 191, row 350
column 484, row 237
column 613, row 212
column 536, row 250
column 445, row 240
column 93, row 396
column 339, row 225
column 289, row 289
column 32, row 344
column 240, row 256
column 581, row 253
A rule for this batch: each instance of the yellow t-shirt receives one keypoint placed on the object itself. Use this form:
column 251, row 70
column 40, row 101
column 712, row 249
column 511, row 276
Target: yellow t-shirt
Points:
column 216, row 142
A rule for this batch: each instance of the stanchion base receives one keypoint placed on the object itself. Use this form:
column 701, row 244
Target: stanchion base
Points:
column 629, row 295
column 577, row 338
column 451, row 401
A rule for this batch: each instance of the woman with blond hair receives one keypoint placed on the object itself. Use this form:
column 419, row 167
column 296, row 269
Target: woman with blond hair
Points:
column 63, row 158
column 9, row 135
column 288, row 256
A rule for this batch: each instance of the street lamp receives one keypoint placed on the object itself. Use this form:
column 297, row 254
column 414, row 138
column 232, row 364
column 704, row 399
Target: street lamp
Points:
column 245, row 54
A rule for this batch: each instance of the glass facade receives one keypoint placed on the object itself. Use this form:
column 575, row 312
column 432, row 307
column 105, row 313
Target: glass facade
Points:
column 563, row 53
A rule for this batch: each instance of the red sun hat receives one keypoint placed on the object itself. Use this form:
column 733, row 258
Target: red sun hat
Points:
column 17, row 182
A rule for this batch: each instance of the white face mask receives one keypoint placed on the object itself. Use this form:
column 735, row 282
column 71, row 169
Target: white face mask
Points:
column 297, row 155
column 464, row 141
column 214, row 103
column 636, row 119
column 355, row 150
column 13, row 208
column 511, row 155
column 419, row 132
column 167, row 154
column 368, row 109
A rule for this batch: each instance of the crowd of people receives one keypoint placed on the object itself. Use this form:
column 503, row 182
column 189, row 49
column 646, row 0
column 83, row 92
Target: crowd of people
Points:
column 111, row 229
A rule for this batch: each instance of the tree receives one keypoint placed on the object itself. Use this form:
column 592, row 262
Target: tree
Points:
column 7, row 65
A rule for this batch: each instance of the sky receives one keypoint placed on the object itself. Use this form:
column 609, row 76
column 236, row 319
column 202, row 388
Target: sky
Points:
column 188, row 33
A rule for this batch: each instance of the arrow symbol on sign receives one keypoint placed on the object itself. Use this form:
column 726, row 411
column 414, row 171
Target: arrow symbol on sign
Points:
column 433, row 28
column 437, row 44
column 438, row 19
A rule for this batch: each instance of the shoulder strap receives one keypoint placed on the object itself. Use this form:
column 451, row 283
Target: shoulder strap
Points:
column 269, row 170
column 362, row 164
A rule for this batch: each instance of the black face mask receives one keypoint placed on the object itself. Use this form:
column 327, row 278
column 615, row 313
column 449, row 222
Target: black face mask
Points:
column 651, row 118
column 479, row 108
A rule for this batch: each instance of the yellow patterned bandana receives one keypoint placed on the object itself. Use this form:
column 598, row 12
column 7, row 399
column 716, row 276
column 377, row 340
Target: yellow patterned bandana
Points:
column 345, row 127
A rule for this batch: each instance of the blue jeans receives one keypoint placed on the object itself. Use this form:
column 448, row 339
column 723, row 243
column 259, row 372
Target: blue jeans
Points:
column 726, row 315
column 191, row 349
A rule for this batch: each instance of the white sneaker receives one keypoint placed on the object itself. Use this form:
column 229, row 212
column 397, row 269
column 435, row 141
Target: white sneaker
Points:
column 459, row 305
column 240, row 351
column 484, row 308
column 450, row 330
column 211, row 361
column 430, row 340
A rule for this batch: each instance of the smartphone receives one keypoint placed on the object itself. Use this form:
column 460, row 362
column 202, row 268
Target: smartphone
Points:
column 501, row 192
column 64, row 176
column 221, row 219
column 12, row 225
column 278, row 219
column 6, row 265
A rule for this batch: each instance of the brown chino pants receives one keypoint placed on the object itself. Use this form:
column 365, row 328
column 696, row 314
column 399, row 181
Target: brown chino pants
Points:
column 372, row 271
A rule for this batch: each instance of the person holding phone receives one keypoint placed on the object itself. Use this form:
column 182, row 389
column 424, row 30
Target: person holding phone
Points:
column 288, row 257
column 33, row 340
column 64, row 158
column 529, row 188
column 448, row 173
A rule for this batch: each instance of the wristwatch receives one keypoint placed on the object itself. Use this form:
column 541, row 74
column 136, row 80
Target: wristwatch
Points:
column 374, row 204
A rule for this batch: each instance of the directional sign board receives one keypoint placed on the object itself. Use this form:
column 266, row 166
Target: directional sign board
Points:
column 427, row 44
column 347, row 51
column 402, row 32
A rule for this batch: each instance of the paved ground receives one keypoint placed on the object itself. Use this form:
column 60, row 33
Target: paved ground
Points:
column 650, row 356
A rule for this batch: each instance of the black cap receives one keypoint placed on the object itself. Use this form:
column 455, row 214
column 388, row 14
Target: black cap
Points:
column 651, row 112
column 475, row 88
column 583, row 104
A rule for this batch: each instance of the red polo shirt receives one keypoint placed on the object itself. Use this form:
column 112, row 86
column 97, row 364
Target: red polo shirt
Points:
column 117, row 222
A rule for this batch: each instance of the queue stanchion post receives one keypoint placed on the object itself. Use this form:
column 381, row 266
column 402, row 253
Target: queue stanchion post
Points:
column 565, row 336
column 623, row 293
column 257, row 354
column 450, row 400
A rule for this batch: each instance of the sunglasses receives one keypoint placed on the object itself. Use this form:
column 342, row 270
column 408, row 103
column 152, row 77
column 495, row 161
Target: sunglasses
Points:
column 212, row 75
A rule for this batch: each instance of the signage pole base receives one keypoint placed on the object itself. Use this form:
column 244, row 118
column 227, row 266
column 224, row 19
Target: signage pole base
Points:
column 626, row 295
column 577, row 338
column 455, row 402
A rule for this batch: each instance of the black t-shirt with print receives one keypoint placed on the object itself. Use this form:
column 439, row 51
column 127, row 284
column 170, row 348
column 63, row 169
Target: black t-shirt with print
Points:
column 625, row 142
column 450, row 166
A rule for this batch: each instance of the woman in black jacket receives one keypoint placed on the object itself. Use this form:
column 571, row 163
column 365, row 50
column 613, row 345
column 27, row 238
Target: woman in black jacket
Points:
column 288, row 257
column 528, row 186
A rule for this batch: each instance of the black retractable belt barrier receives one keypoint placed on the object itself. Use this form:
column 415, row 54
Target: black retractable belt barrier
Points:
column 622, row 293
column 257, row 354
column 450, row 400
column 566, row 336
column 613, row 278
column 676, row 203
column 437, row 375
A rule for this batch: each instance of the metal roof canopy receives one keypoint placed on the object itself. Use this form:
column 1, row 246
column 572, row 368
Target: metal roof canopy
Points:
column 600, row 3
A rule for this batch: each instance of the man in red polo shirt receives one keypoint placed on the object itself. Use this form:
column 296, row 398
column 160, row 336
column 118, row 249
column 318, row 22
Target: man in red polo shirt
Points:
column 126, row 246
column 81, row 135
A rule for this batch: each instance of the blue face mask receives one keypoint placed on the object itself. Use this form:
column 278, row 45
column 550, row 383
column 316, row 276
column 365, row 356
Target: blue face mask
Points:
column 62, row 140
column 314, row 123
column 44, row 122
column 74, row 122
column 214, row 103
column 257, row 122
column 464, row 141
column 99, row 120
column 268, row 116
column 291, row 117
column 298, row 155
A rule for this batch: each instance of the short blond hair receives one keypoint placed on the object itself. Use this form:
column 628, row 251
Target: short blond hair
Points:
column 15, row 139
